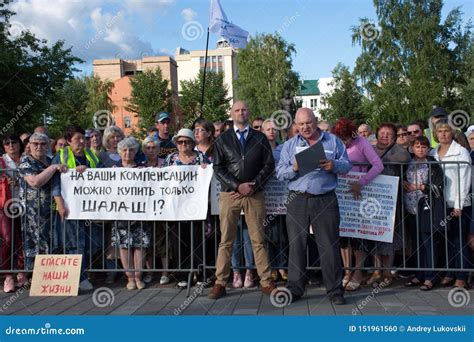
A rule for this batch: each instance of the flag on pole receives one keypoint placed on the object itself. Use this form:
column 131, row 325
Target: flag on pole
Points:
column 218, row 23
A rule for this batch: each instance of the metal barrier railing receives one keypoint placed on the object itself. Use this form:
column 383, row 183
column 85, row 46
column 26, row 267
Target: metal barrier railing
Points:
column 191, row 247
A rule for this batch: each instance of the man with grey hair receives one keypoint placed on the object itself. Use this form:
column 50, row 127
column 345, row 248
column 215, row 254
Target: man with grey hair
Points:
column 312, row 201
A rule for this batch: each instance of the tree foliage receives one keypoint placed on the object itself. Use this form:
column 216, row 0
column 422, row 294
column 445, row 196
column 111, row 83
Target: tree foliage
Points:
column 346, row 99
column 411, row 60
column 30, row 72
column 150, row 94
column 216, row 101
column 265, row 72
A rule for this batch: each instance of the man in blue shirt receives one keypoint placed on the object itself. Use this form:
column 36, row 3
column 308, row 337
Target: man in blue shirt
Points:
column 312, row 201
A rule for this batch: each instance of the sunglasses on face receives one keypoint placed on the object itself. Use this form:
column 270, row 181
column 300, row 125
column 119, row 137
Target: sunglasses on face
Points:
column 414, row 132
column 402, row 135
column 256, row 127
column 184, row 142
column 10, row 142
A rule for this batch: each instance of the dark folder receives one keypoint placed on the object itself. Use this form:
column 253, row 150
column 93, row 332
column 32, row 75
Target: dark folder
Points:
column 308, row 160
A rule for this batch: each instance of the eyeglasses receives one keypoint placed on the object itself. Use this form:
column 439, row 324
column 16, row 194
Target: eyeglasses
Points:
column 257, row 127
column 10, row 142
column 151, row 147
column 36, row 144
column 184, row 142
column 414, row 132
column 402, row 135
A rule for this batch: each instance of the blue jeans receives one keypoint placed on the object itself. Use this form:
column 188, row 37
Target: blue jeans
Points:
column 242, row 239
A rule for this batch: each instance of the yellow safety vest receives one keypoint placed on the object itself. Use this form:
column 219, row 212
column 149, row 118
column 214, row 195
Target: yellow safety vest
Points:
column 70, row 160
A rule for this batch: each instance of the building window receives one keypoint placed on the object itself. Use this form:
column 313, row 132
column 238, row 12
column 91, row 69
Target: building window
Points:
column 127, row 122
column 129, row 73
column 314, row 103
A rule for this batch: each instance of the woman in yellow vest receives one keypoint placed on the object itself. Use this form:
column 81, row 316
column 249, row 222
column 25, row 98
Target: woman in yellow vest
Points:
column 75, row 233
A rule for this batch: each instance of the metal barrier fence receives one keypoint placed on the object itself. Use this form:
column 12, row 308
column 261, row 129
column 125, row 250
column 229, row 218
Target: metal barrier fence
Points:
column 189, row 248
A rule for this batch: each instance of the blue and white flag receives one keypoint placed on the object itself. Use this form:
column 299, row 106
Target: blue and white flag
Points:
column 218, row 23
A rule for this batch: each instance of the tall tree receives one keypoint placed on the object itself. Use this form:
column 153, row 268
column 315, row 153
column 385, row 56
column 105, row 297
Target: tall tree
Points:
column 216, row 100
column 265, row 72
column 346, row 99
column 70, row 107
column 150, row 94
column 31, row 72
column 99, row 92
column 410, row 60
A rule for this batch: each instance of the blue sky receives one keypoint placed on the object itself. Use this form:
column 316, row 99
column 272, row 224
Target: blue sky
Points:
column 320, row 29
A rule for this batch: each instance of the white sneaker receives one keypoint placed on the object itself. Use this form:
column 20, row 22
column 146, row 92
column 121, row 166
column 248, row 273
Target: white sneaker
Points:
column 183, row 283
column 164, row 280
column 85, row 285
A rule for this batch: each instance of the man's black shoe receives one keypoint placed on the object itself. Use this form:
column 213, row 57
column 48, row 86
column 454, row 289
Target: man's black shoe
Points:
column 338, row 299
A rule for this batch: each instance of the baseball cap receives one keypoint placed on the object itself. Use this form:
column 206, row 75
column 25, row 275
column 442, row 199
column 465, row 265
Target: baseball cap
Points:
column 162, row 116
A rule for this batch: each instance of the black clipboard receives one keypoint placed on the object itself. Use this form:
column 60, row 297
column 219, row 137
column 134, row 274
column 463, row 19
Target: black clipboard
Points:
column 308, row 160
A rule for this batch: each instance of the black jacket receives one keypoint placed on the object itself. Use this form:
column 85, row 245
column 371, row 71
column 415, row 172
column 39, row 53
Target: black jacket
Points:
column 234, row 165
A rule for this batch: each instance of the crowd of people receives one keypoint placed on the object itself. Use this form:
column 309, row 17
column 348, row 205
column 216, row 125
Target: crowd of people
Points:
column 433, row 227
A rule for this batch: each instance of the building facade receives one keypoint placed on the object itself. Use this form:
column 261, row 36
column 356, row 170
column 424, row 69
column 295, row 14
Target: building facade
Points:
column 311, row 93
column 120, row 71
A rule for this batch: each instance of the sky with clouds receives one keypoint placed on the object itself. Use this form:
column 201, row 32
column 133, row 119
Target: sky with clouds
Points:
column 130, row 29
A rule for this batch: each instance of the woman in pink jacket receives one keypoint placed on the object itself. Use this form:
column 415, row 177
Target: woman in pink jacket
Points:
column 359, row 150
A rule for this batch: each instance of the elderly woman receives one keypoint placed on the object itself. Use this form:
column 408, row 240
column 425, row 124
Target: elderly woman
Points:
column 186, row 155
column 204, row 135
column 360, row 151
column 389, row 152
column 131, row 237
column 151, row 149
column 36, row 172
column 458, row 183
column 402, row 136
column 112, row 136
column 10, row 228
column 75, row 233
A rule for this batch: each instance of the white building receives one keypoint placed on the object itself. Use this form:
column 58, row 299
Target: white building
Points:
column 222, row 59
column 311, row 92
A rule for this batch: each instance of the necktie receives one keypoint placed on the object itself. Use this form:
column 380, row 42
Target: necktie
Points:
column 242, row 137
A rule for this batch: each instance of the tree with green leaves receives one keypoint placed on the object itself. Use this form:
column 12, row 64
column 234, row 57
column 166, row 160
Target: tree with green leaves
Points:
column 345, row 101
column 150, row 94
column 411, row 59
column 216, row 101
column 265, row 72
column 77, row 101
column 31, row 71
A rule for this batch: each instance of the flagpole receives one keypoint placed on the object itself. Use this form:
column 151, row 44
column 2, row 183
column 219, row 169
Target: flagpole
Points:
column 204, row 75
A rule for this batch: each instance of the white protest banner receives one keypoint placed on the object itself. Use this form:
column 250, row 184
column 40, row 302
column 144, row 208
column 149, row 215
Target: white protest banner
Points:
column 276, row 194
column 176, row 193
column 373, row 216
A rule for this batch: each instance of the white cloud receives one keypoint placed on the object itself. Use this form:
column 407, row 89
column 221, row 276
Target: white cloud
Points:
column 94, row 28
column 188, row 14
